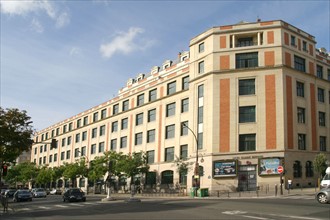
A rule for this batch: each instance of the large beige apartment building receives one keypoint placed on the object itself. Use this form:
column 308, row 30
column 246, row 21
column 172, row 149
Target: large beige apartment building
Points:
column 245, row 100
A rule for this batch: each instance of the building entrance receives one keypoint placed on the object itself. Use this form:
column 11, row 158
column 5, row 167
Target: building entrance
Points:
column 247, row 178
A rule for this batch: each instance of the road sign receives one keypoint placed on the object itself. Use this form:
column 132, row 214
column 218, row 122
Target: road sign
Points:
column 280, row 169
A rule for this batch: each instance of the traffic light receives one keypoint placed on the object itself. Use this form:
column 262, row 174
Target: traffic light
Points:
column 53, row 144
column 4, row 170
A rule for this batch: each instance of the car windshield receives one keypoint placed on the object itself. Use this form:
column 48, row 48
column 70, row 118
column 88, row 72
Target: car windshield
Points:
column 24, row 192
column 40, row 190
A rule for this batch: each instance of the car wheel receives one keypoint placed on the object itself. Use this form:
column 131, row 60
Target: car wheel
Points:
column 84, row 200
column 322, row 198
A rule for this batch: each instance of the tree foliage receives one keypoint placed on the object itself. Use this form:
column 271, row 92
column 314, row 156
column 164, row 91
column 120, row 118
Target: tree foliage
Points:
column 133, row 164
column 15, row 134
column 320, row 164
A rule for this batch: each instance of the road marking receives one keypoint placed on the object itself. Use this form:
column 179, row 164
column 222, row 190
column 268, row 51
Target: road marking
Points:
column 43, row 207
column 74, row 204
column 61, row 206
column 295, row 217
column 254, row 217
column 234, row 212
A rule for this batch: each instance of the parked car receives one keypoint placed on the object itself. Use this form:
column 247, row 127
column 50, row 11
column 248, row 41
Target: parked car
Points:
column 10, row 193
column 22, row 195
column 55, row 192
column 323, row 196
column 74, row 195
column 39, row 192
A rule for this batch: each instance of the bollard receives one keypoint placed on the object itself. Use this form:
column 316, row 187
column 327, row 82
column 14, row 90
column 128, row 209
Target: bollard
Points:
column 275, row 189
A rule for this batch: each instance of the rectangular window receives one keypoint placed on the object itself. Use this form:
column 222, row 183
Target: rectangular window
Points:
column 41, row 148
column 78, row 123
column 171, row 88
column 247, row 142
column 68, row 154
column 35, row 150
column 244, row 42
column 138, row 138
column 115, row 109
column 101, row 147
column 169, row 131
column 319, row 71
column 103, row 113
column 184, row 128
column 151, row 135
column 63, row 142
column 201, row 67
column 185, row 83
column 55, row 157
column 125, row 105
column 322, row 119
column 85, row 120
column 301, row 115
column 64, row 130
column 201, row 47
column 150, row 156
column 57, row 131
column 94, row 132
column 44, row 159
column 84, row 136
column 95, row 116
column 124, row 123
column 140, row 100
column 293, row 40
column 320, row 95
column 200, row 118
column 184, row 151
column 62, row 155
column 45, row 147
column 114, row 126
column 299, row 64
column 300, row 89
column 113, row 144
column 246, row 87
column 139, row 119
column 184, row 105
column 69, row 140
column 76, row 152
column 102, row 130
column 77, row 138
column 329, row 74
column 304, row 47
column 152, row 95
column 169, row 154
column 170, row 109
column 246, row 60
column 83, row 151
column 50, row 158
column 247, row 114
column 93, row 149
column 323, row 143
column 52, row 133
column 301, row 141
column 151, row 115
column 70, row 129
column 123, row 142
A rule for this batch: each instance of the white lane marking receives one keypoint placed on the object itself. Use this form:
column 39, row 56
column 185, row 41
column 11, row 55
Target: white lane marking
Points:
column 43, row 207
column 62, row 206
column 255, row 217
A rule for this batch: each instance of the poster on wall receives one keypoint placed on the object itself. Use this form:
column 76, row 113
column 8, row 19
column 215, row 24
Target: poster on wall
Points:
column 224, row 168
column 268, row 166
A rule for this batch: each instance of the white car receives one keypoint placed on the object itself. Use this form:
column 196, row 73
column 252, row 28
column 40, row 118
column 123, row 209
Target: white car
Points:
column 37, row 193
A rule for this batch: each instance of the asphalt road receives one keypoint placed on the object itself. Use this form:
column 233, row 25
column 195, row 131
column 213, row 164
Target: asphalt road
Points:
column 295, row 207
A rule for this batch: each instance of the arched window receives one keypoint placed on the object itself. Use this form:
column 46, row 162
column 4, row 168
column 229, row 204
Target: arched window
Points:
column 167, row 177
column 151, row 178
column 297, row 169
column 309, row 169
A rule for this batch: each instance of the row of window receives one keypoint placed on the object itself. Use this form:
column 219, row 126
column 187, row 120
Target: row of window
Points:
column 171, row 89
column 300, row 87
column 301, row 117
column 247, row 142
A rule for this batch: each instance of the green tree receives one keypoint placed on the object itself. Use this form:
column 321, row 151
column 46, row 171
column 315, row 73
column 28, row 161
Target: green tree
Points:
column 15, row 134
column 320, row 165
column 44, row 176
column 22, row 173
column 133, row 164
column 74, row 170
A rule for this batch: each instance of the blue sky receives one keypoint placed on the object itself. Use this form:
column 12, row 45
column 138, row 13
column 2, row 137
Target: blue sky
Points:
column 60, row 58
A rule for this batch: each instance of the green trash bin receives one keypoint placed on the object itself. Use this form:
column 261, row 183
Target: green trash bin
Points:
column 203, row 192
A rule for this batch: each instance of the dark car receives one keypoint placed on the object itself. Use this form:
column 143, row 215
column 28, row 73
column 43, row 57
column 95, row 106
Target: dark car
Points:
column 74, row 195
column 22, row 195
column 10, row 193
column 323, row 196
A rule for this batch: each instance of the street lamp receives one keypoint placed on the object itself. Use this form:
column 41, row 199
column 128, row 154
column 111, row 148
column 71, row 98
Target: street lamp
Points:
column 196, row 171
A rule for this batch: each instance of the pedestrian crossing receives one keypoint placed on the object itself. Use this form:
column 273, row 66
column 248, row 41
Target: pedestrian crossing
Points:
column 32, row 207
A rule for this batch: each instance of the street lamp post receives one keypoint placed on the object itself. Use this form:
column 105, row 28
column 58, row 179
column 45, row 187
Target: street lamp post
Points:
column 196, row 171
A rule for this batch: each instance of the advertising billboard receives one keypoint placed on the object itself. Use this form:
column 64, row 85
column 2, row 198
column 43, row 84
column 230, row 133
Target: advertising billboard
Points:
column 268, row 166
column 224, row 168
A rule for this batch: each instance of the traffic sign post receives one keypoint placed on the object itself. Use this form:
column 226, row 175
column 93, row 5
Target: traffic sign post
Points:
column 280, row 171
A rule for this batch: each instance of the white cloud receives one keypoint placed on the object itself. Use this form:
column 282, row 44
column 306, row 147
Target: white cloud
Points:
column 23, row 8
column 75, row 51
column 36, row 26
column 125, row 42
